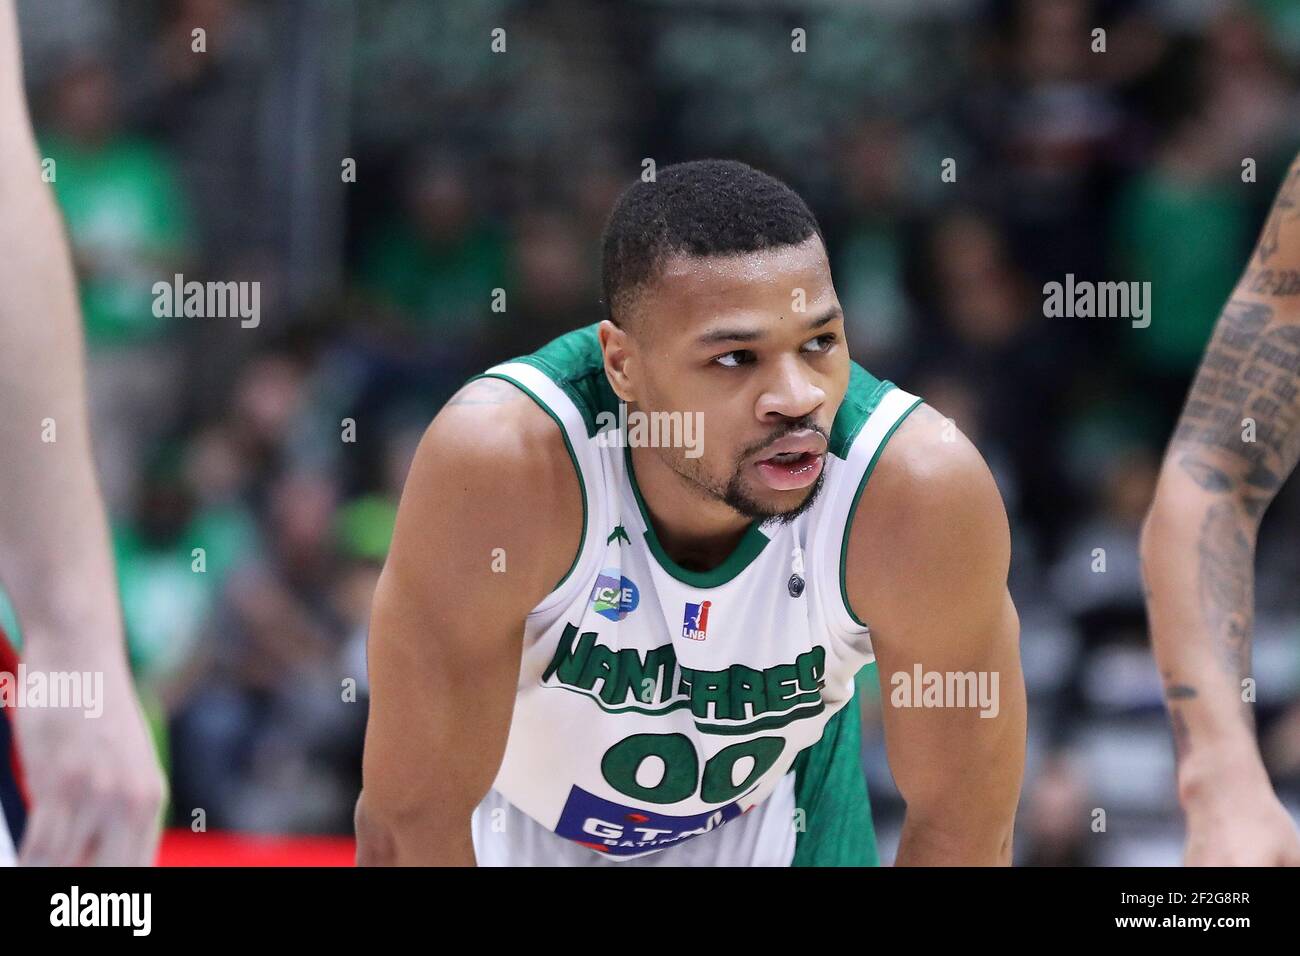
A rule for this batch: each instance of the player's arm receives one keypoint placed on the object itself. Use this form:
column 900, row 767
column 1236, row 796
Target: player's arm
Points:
column 1237, row 440
column 490, row 520
column 927, row 570
column 95, row 784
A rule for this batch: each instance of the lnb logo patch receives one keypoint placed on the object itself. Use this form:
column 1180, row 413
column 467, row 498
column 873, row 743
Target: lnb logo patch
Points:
column 613, row 595
column 695, row 621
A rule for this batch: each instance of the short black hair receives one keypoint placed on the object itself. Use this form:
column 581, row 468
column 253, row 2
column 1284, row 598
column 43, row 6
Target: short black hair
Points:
column 707, row 207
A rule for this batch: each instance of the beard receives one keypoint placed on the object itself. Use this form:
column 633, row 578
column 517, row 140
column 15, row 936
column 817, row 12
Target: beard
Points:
column 739, row 499
column 735, row 492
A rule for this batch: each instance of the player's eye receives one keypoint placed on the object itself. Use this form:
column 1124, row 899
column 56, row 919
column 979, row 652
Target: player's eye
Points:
column 822, row 343
column 735, row 359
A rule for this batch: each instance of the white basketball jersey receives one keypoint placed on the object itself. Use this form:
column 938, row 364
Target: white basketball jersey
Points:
column 661, row 708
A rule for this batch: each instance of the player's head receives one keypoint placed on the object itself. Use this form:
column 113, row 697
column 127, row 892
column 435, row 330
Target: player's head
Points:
column 719, row 300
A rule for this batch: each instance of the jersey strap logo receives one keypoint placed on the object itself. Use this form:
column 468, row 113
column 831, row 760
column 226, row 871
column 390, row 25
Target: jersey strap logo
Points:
column 624, row 831
column 695, row 621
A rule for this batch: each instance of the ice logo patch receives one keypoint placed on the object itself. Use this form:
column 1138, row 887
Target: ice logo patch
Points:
column 613, row 595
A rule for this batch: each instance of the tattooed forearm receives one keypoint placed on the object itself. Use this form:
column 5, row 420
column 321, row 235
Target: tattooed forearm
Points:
column 1237, row 440
column 1177, row 693
column 1244, row 401
column 1226, row 584
column 1275, row 282
column 1217, row 480
column 1284, row 210
column 1205, row 474
column 1182, row 737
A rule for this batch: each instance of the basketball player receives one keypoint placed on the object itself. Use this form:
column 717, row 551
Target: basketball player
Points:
column 93, row 784
column 591, row 647
column 1236, row 442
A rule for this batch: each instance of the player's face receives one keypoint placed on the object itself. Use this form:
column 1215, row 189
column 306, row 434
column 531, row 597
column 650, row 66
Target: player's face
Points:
column 755, row 344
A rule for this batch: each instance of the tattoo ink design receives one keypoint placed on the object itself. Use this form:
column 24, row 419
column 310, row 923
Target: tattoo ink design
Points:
column 1278, row 283
column 1250, row 371
column 1225, row 585
column 1182, row 739
column 1284, row 211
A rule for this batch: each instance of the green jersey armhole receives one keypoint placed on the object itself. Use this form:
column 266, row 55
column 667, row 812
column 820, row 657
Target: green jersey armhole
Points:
column 853, row 510
column 568, row 446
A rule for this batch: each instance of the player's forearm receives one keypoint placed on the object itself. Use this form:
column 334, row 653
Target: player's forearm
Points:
column 959, row 766
column 50, row 509
column 385, row 840
column 441, row 703
column 1198, row 552
column 420, row 815
column 961, row 811
column 957, row 832
column 961, row 778
column 424, row 772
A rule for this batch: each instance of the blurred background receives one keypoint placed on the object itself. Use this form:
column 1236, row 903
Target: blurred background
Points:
column 478, row 170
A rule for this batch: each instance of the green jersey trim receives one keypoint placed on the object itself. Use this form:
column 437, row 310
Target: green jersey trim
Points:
column 568, row 446
column 831, row 790
column 575, row 364
column 749, row 547
column 853, row 508
column 860, row 400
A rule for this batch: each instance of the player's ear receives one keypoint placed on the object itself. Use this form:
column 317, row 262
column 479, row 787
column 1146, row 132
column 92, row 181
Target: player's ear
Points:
column 615, row 343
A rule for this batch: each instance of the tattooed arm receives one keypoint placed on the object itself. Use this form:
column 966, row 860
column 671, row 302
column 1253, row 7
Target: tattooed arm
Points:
column 1236, row 442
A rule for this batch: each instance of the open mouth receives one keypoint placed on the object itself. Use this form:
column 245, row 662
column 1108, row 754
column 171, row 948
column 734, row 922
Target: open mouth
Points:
column 793, row 460
column 791, row 470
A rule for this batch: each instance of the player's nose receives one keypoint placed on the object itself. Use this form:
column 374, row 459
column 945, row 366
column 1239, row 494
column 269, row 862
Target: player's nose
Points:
column 790, row 392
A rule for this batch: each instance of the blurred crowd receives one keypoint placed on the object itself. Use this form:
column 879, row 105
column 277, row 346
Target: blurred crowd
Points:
column 253, row 473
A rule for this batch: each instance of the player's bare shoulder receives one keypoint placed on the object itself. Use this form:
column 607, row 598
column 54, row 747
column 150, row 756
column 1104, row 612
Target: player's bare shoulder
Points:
column 504, row 433
column 493, row 471
column 497, row 416
column 511, row 445
column 930, row 517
